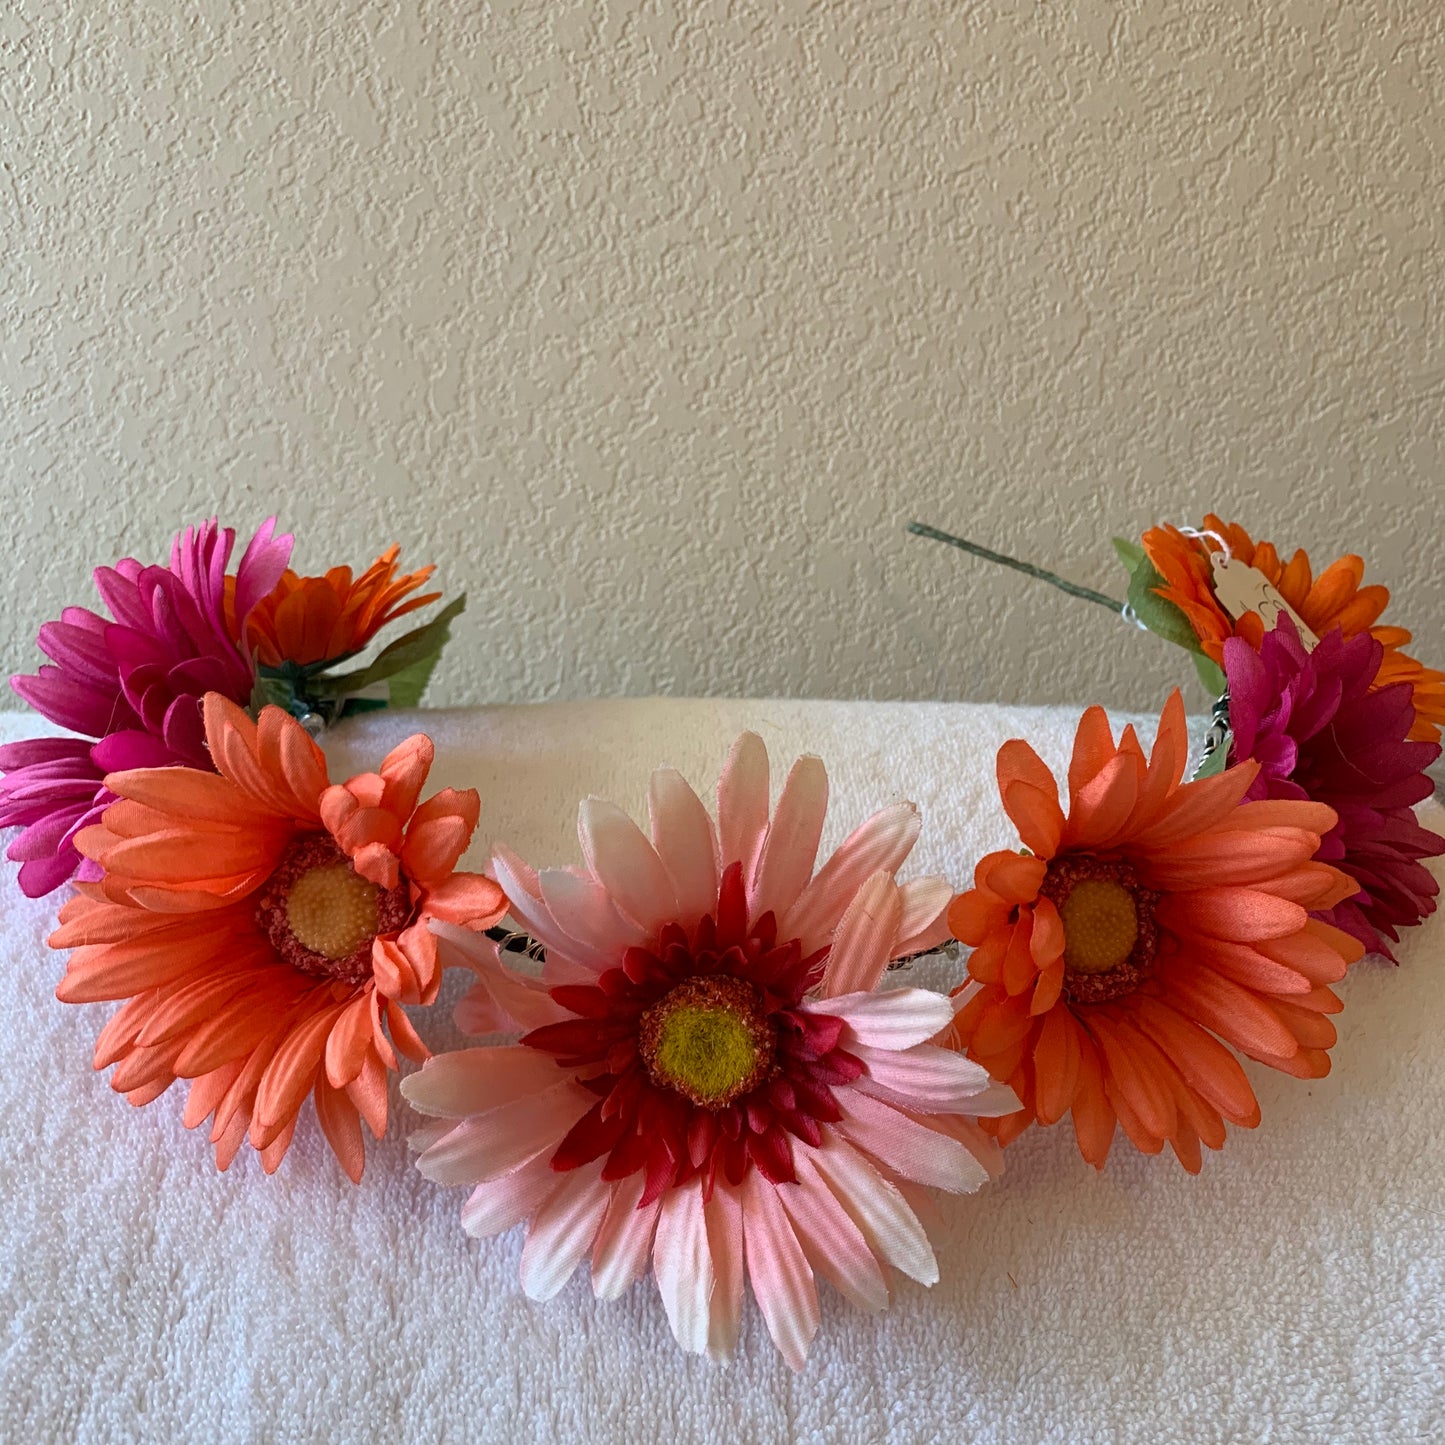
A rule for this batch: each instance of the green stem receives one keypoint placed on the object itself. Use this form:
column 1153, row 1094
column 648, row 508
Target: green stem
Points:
column 1088, row 594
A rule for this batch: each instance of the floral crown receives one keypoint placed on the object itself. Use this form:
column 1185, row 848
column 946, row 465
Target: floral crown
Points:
column 687, row 1060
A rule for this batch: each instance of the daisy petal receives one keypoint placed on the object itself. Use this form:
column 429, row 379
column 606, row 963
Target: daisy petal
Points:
column 626, row 864
column 833, row 1244
column 524, row 899
column 682, row 1263
column 865, row 937
column 924, row 925
column 585, row 910
column 686, row 841
column 490, row 1144
column 562, row 1231
column 467, row 899
column 790, row 848
column 502, row 999
column 473, row 1081
column 624, row 1242
column 930, row 1079
column 778, row 1271
column 882, row 1215
column 342, row 1127
column 497, row 1205
column 725, row 1243
column 883, row 842
column 896, row 1019
column 742, row 803
column 906, row 1147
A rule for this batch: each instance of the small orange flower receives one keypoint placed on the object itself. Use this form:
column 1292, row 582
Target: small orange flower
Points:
column 1155, row 920
column 264, row 927
column 1333, row 599
column 316, row 619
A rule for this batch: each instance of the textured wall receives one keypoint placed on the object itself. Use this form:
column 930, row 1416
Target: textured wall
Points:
column 652, row 323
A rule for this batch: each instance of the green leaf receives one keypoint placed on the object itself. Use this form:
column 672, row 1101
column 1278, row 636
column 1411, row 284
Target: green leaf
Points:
column 1210, row 674
column 353, row 705
column 406, row 653
column 1161, row 617
column 288, row 674
column 300, row 672
column 270, row 692
column 1215, row 762
column 1131, row 554
column 310, row 669
column 408, row 685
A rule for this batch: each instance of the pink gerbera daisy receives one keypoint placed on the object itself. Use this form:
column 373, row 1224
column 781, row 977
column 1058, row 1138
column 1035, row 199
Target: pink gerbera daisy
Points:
column 1322, row 728
column 710, row 1082
column 132, row 686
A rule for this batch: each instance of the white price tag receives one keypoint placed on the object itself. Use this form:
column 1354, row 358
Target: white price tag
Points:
column 1242, row 589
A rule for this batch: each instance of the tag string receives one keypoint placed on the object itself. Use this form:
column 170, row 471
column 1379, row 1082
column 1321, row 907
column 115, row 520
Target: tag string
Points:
column 1225, row 555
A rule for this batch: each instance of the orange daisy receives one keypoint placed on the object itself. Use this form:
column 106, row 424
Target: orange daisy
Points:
column 264, row 927
column 1335, row 598
column 320, row 619
column 1156, row 923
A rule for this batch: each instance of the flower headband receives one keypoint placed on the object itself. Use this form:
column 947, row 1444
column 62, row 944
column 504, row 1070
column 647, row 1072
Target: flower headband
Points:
column 688, row 1064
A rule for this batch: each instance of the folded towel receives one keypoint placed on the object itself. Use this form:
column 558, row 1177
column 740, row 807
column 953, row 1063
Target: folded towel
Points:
column 1294, row 1291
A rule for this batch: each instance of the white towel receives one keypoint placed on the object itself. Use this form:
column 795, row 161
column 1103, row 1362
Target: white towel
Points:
column 1295, row 1291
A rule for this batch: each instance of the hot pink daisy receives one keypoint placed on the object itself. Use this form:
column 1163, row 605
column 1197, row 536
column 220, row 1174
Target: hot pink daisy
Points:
column 132, row 686
column 1322, row 729
column 710, row 1082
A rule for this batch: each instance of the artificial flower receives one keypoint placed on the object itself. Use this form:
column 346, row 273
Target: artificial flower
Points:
column 1156, row 919
column 710, row 1081
column 307, row 620
column 265, row 926
column 1319, row 731
column 132, row 686
column 1334, row 599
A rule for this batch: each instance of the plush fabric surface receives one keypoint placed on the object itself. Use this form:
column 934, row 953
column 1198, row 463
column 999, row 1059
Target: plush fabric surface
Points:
column 1293, row 1292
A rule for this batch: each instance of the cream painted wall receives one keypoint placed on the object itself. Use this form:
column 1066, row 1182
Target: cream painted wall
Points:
column 653, row 323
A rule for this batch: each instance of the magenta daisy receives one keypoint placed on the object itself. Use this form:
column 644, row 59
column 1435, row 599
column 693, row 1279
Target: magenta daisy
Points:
column 132, row 685
column 1319, row 732
column 710, row 1083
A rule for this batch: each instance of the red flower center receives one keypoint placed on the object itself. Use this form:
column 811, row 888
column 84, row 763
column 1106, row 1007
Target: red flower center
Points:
column 698, row 1051
column 322, row 916
column 1110, row 937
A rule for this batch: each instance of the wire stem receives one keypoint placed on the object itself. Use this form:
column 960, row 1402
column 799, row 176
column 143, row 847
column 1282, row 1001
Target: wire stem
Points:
column 920, row 529
column 510, row 941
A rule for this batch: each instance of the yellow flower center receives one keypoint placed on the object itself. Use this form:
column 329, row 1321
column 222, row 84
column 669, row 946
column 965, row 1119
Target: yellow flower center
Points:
column 708, row 1050
column 321, row 916
column 1111, row 940
column 1101, row 925
column 708, row 1040
column 333, row 910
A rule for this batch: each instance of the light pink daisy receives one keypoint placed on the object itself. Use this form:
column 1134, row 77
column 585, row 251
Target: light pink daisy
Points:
column 709, row 1082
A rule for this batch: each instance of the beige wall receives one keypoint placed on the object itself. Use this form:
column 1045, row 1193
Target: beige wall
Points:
column 652, row 323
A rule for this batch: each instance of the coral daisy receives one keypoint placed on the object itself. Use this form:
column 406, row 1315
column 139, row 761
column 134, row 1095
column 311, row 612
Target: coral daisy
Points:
column 710, row 1081
column 1318, row 731
column 1155, row 916
column 1334, row 599
column 132, row 686
column 264, row 927
column 308, row 620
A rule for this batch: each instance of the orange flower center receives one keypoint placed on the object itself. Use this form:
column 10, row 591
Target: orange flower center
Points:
column 332, row 910
column 322, row 916
column 708, row 1040
column 1110, row 939
column 1101, row 925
